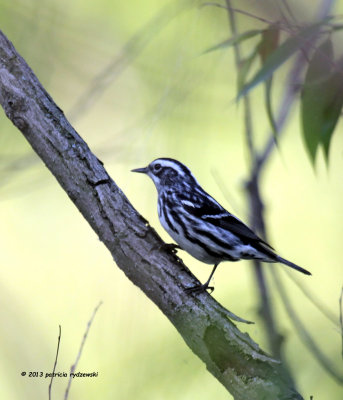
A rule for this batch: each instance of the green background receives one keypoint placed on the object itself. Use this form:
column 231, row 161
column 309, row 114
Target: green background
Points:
column 156, row 96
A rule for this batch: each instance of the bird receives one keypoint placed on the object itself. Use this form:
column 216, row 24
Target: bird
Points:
column 200, row 225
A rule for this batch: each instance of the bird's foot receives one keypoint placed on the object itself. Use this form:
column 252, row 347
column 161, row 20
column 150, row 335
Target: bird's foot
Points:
column 172, row 247
column 200, row 289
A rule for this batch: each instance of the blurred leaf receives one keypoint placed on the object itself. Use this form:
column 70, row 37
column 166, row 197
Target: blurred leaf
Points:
column 234, row 40
column 312, row 97
column 244, row 68
column 281, row 54
column 322, row 99
column 333, row 107
column 269, row 43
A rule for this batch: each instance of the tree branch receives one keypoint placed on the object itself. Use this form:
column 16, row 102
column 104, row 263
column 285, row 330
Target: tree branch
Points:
column 230, row 355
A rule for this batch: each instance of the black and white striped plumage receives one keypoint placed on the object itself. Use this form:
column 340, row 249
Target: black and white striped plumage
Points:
column 199, row 224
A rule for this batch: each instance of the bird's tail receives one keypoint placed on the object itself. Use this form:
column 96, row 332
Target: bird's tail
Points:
column 292, row 265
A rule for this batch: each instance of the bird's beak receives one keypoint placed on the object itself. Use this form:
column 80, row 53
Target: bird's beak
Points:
column 141, row 170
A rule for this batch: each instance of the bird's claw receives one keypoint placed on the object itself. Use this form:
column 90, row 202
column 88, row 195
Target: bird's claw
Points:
column 172, row 247
column 200, row 289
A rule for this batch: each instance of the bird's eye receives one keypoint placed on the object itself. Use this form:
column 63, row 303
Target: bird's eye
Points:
column 157, row 167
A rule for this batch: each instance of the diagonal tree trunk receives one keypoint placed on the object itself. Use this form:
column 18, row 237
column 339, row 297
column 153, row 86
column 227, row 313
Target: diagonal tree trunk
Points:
column 230, row 355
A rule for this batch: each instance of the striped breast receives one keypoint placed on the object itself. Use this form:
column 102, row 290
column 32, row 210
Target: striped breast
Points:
column 200, row 239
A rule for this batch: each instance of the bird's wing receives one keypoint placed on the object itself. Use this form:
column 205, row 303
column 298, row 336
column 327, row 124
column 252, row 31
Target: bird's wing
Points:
column 234, row 225
column 212, row 212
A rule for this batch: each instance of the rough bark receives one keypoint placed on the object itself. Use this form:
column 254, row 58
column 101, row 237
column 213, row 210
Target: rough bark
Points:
column 230, row 355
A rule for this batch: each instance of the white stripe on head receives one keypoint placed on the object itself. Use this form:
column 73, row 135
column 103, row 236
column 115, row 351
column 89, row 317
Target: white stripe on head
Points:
column 180, row 168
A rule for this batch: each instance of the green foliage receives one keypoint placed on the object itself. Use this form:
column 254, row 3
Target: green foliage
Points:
column 322, row 94
column 269, row 42
column 280, row 55
column 313, row 100
column 321, row 100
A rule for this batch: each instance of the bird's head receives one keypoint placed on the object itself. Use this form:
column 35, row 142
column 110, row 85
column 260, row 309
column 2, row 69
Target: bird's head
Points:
column 167, row 173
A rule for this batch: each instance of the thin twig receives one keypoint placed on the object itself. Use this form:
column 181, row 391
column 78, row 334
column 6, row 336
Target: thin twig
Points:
column 227, row 7
column 289, row 10
column 282, row 14
column 53, row 371
column 73, row 367
column 341, row 315
column 213, row 5
column 304, row 335
column 320, row 306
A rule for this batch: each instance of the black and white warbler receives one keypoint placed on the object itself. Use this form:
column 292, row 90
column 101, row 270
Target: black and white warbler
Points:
column 199, row 224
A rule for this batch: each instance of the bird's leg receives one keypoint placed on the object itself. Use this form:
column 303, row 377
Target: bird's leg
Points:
column 204, row 286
